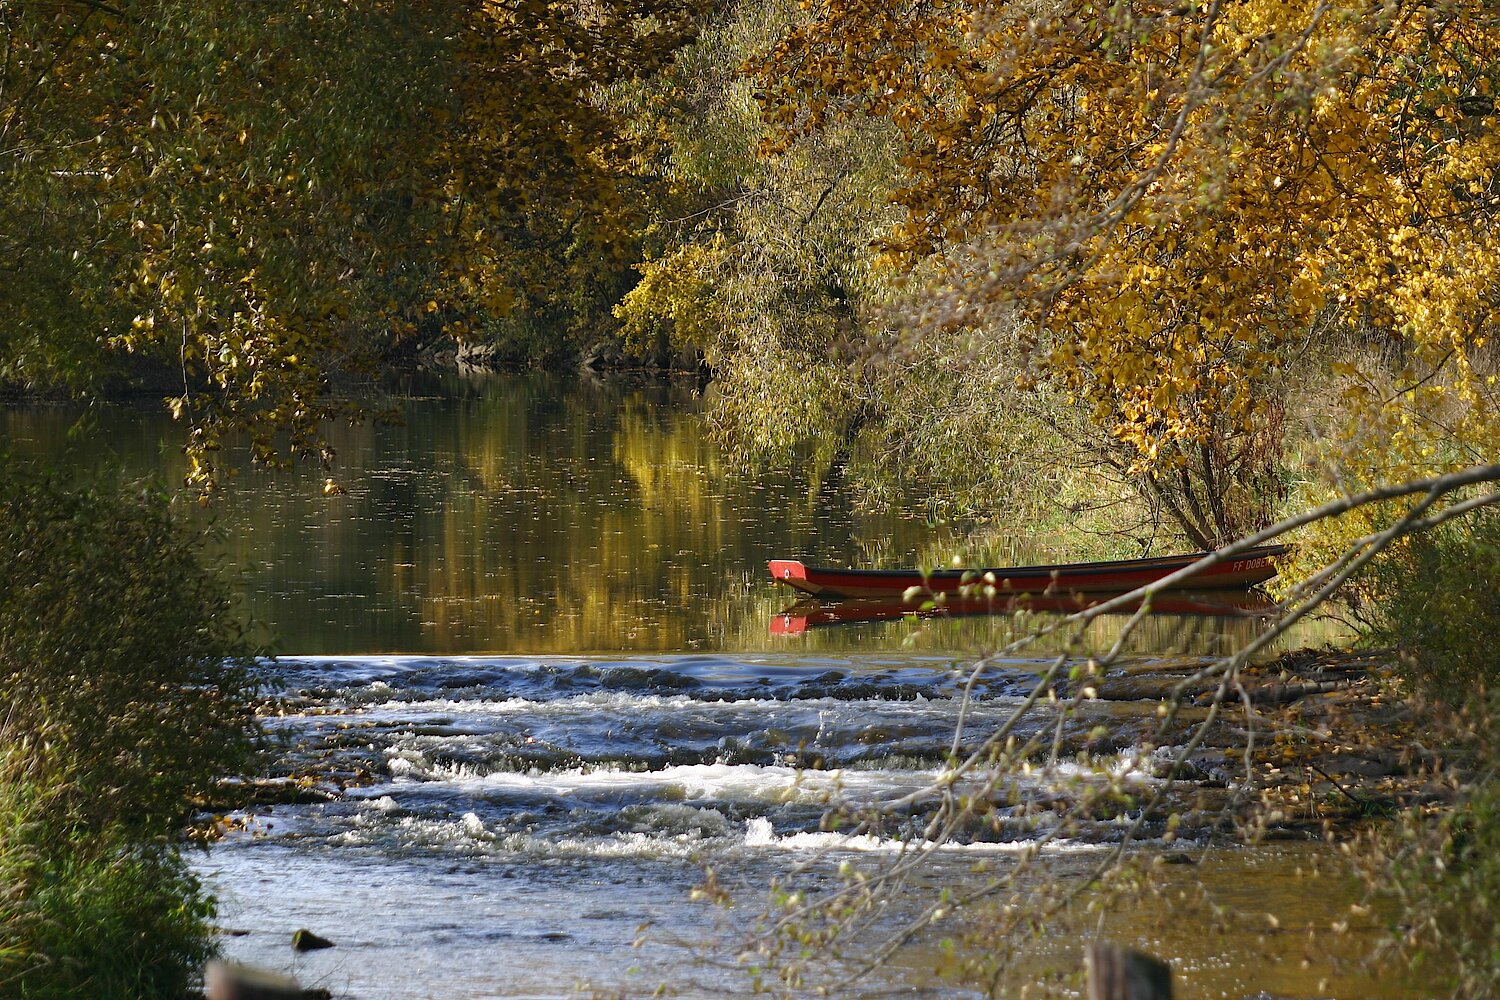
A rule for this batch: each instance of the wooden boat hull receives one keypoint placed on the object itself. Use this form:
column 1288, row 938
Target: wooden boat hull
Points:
column 1245, row 570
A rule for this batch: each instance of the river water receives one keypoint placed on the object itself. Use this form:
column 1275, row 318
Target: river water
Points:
column 530, row 655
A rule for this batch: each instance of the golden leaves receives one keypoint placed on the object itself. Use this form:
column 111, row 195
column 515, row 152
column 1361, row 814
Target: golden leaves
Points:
column 1181, row 197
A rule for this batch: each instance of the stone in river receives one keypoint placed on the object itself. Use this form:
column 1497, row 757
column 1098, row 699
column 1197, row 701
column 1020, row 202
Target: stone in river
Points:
column 306, row 940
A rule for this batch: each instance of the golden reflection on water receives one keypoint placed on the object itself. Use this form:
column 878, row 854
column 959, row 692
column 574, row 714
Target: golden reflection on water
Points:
column 1283, row 920
column 531, row 515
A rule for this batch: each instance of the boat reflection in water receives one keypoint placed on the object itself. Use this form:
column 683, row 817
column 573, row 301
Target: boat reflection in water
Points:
column 811, row 613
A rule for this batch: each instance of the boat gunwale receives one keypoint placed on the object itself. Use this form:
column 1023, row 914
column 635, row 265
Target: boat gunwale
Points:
column 1048, row 570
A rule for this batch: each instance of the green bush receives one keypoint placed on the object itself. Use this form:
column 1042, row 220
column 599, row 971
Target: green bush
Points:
column 124, row 695
column 97, row 916
column 1438, row 603
column 1444, row 876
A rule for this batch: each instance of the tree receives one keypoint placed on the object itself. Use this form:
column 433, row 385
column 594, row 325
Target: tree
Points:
column 541, row 200
column 1194, row 207
column 217, row 185
column 261, row 203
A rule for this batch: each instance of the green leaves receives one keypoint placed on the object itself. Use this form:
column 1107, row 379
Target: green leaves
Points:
column 246, row 204
column 125, row 697
column 125, row 693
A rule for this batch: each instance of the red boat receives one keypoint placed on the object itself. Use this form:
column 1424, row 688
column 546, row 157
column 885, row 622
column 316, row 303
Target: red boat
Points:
column 1246, row 569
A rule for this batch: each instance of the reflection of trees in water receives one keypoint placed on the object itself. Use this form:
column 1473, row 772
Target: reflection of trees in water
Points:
column 602, row 519
column 530, row 515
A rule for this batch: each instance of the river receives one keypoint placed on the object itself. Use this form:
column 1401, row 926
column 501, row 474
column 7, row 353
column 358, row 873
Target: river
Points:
column 529, row 644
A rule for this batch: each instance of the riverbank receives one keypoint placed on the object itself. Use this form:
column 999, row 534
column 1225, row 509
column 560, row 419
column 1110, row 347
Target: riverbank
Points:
column 1313, row 744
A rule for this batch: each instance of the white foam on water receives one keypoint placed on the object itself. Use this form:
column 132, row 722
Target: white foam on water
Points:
column 678, row 818
column 722, row 782
column 625, row 702
column 617, row 845
column 418, row 831
column 470, row 836
column 1127, row 766
column 760, row 834
column 760, row 783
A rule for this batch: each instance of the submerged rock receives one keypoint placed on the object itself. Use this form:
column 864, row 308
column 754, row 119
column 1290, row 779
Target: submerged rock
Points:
column 306, row 940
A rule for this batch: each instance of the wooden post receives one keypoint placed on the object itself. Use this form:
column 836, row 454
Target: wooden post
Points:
column 1117, row 973
column 226, row 981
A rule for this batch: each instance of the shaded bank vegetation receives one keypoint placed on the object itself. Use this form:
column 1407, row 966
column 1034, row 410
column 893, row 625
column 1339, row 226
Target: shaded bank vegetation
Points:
column 1438, row 604
column 249, row 205
column 1156, row 276
column 125, row 699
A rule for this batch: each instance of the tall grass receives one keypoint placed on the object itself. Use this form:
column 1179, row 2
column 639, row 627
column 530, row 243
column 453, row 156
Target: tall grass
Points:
column 124, row 695
column 96, row 915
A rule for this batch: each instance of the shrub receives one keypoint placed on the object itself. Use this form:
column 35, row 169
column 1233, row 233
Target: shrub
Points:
column 96, row 915
column 1445, row 877
column 124, row 695
column 1438, row 602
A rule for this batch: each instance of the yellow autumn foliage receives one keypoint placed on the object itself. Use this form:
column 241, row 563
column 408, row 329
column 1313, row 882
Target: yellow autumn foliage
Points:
column 1200, row 209
column 674, row 300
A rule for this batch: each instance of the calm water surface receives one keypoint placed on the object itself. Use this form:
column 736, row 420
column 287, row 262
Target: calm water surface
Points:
column 534, row 637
